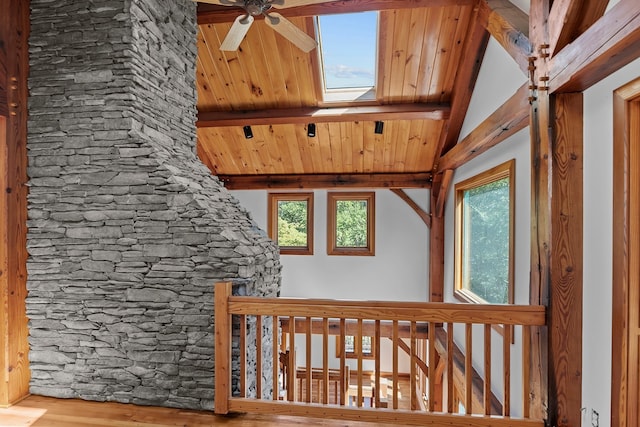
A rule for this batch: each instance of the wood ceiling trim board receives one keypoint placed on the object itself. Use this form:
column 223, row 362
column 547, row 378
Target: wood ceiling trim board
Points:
column 211, row 57
column 387, row 162
column 417, row 111
column 402, row 142
column 570, row 18
column 268, row 155
column 346, row 143
column 317, row 151
column 209, row 14
column 327, row 181
column 378, row 144
column 358, row 154
column 206, row 96
column 271, row 147
column 415, row 146
column 261, row 82
column 455, row 58
column 368, row 147
column 417, row 28
column 608, row 45
column 323, row 135
column 399, row 57
column 429, row 52
column 509, row 118
column 465, row 81
column 510, row 27
column 301, row 147
column 308, row 70
column 444, row 53
column 335, row 139
column 386, row 35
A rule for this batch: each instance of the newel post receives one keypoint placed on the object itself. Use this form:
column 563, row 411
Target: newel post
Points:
column 222, row 347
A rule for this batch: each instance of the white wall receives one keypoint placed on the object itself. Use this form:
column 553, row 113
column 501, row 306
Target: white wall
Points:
column 398, row 271
column 598, row 169
column 598, row 220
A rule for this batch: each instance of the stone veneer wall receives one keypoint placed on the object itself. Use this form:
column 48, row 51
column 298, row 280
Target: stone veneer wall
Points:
column 127, row 230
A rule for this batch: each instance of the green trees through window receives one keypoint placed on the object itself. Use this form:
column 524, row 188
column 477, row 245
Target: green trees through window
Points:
column 484, row 227
column 350, row 223
column 290, row 222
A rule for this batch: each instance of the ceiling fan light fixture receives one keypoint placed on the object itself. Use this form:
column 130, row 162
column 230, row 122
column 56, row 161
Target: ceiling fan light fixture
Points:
column 379, row 128
column 248, row 134
column 311, row 130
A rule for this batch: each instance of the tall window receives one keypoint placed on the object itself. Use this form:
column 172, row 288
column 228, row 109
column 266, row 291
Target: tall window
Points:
column 350, row 223
column 484, row 236
column 290, row 222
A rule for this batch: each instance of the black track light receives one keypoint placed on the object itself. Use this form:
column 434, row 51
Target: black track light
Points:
column 311, row 130
column 247, row 132
column 379, row 127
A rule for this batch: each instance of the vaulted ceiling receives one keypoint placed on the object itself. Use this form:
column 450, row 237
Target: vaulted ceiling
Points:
column 429, row 55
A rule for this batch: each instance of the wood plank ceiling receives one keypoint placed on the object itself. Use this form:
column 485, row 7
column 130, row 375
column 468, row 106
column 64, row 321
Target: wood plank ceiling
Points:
column 274, row 87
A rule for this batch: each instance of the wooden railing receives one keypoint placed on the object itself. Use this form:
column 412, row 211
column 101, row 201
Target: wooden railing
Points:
column 444, row 386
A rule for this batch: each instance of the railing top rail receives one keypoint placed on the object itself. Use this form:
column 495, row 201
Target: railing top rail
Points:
column 383, row 310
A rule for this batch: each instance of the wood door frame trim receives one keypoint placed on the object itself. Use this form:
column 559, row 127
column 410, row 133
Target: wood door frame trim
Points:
column 621, row 280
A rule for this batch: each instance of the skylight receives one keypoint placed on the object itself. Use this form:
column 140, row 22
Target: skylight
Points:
column 348, row 47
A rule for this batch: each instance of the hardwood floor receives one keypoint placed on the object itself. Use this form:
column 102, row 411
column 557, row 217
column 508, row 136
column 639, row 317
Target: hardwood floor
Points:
column 38, row 411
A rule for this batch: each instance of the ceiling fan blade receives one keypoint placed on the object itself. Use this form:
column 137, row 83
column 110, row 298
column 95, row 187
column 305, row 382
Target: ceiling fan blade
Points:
column 294, row 34
column 282, row 4
column 237, row 32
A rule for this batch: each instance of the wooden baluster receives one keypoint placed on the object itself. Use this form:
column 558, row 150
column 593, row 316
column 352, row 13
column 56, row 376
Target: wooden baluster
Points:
column 395, row 364
column 308, row 368
column 276, row 357
column 506, row 406
column 291, row 396
column 357, row 347
column 487, row 369
column 377, row 365
column 526, row 371
column 259, row 357
column 325, row 361
column 344, row 381
column 223, row 347
column 412, row 358
column 243, row 355
column 468, row 369
column 432, row 367
column 450, row 386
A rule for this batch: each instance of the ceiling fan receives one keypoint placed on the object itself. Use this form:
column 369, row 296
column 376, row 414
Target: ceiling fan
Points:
column 273, row 19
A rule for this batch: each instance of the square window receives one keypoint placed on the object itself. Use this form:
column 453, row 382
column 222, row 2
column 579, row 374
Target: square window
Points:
column 290, row 222
column 350, row 223
column 351, row 348
column 484, row 236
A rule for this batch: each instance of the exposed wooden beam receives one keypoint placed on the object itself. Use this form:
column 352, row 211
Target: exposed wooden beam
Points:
column 510, row 27
column 608, row 45
column 565, row 311
column 14, row 344
column 508, row 119
column 426, row 218
column 541, row 389
column 436, row 246
column 326, row 181
column 415, row 111
column 447, row 178
column 211, row 14
column 570, row 18
column 465, row 82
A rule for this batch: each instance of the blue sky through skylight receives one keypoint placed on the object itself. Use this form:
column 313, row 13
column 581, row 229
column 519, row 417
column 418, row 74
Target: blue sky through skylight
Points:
column 349, row 49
